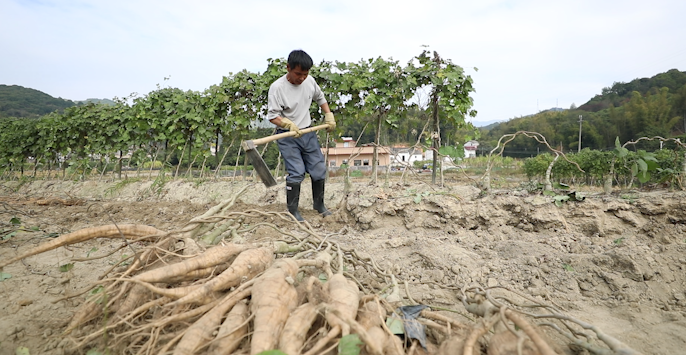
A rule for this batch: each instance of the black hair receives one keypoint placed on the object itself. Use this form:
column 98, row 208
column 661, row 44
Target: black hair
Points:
column 298, row 58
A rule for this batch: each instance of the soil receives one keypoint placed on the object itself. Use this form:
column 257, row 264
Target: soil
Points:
column 617, row 262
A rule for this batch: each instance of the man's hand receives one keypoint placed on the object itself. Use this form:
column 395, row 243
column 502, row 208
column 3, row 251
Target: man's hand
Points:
column 289, row 125
column 328, row 119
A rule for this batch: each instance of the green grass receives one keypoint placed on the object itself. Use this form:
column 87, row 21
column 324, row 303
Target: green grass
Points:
column 119, row 185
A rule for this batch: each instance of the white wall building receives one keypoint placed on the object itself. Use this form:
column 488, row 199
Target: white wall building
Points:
column 470, row 149
column 429, row 155
column 405, row 156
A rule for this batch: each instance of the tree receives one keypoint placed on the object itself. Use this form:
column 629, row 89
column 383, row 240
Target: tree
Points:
column 378, row 89
column 650, row 115
column 450, row 94
column 679, row 106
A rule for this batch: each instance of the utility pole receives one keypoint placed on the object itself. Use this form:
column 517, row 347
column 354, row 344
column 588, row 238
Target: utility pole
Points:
column 436, row 133
column 581, row 119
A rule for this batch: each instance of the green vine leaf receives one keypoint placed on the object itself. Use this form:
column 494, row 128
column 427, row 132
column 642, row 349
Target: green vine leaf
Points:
column 395, row 325
column 350, row 345
column 93, row 250
column 559, row 199
column 66, row 267
column 634, row 169
column 644, row 177
column 9, row 235
column 642, row 165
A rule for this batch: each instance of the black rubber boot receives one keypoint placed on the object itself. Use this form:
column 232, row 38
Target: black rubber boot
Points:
column 293, row 199
column 318, row 198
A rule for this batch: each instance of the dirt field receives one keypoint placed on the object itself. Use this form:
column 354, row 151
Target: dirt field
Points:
column 616, row 262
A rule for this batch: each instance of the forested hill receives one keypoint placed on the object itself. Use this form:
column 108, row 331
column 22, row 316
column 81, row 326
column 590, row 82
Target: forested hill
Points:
column 96, row 101
column 18, row 101
column 620, row 93
column 644, row 107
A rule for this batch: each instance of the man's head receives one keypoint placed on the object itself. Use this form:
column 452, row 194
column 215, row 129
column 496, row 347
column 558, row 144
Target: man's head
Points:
column 299, row 64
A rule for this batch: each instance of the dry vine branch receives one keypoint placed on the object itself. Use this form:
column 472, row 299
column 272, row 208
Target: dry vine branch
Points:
column 486, row 178
column 479, row 301
column 615, row 345
column 677, row 141
column 351, row 158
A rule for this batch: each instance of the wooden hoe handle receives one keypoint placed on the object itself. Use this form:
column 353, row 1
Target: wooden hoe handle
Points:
column 287, row 134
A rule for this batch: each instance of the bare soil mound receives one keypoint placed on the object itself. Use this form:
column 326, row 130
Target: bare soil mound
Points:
column 616, row 262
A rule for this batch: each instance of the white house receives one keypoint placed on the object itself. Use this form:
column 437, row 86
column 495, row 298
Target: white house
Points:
column 348, row 142
column 447, row 163
column 405, row 156
column 470, row 149
column 415, row 155
column 429, row 155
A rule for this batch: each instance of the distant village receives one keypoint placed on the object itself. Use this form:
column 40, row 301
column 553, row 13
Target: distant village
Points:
column 395, row 158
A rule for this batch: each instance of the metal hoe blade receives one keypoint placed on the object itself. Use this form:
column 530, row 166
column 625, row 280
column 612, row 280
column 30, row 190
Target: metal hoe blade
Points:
column 259, row 164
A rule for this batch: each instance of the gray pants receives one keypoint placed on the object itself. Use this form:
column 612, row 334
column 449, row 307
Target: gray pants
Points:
column 302, row 155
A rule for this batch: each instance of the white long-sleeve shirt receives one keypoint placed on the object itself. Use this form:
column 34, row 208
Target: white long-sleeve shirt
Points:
column 293, row 101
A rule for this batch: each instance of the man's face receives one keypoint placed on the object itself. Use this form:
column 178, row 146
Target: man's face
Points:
column 296, row 75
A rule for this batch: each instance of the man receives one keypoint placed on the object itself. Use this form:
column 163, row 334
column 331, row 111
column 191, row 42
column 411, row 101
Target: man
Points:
column 289, row 102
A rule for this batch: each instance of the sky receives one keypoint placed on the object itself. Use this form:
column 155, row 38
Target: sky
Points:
column 523, row 56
